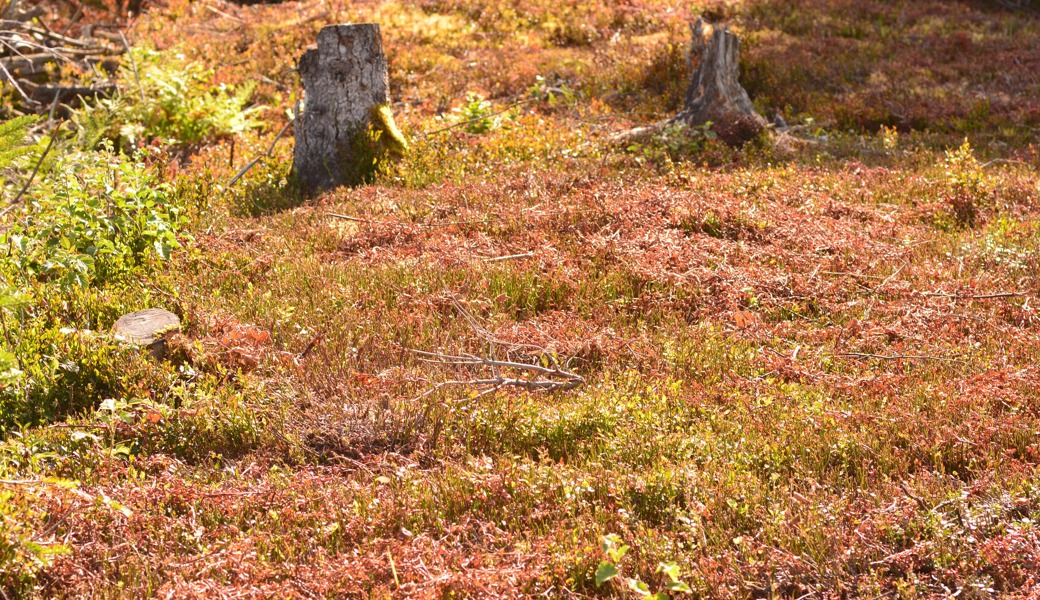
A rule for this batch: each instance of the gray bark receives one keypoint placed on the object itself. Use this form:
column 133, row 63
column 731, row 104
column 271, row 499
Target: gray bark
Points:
column 715, row 94
column 344, row 78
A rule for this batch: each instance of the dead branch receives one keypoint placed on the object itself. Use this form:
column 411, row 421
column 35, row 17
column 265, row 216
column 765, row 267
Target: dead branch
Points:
column 863, row 355
column 347, row 217
column 494, row 342
column 975, row 296
column 270, row 150
column 509, row 257
column 555, row 379
column 28, row 45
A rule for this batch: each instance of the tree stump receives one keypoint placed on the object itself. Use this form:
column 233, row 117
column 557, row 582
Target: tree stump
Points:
column 715, row 94
column 146, row 328
column 345, row 84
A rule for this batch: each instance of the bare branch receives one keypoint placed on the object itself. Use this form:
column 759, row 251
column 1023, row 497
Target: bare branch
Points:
column 900, row 357
column 975, row 296
column 556, row 379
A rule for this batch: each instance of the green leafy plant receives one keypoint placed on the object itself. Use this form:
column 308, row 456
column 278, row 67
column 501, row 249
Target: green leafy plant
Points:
column 676, row 142
column 476, row 114
column 22, row 556
column 168, row 99
column 96, row 217
column 13, row 146
column 608, row 569
column 967, row 185
column 559, row 94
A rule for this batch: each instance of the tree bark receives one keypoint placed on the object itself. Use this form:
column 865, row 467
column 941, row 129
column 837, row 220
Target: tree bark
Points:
column 715, row 94
column 345, row 81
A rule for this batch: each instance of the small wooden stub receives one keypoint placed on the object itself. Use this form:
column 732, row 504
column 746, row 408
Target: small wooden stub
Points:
column 146, row 328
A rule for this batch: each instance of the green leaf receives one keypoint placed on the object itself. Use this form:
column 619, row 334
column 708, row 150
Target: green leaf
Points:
column 678, row 586
column 670, row 570
column 639, row 587
column 605, row 572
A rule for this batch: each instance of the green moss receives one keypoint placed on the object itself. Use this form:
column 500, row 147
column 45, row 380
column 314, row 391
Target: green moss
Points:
column 390, row 135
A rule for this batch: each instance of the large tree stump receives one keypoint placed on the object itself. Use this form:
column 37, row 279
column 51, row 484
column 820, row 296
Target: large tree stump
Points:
column 345, row 82
column 715, row 94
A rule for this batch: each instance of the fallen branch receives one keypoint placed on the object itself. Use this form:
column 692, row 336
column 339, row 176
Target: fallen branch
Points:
column 975, row 296
column 270, row 150
column 556, row 379
column 66, row 94
column 347, row 217
column 864, row 355
column 20, row 481
column 509, row 257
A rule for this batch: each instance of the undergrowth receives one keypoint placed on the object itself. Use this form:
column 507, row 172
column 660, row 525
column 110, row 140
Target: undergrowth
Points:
column 808, row 364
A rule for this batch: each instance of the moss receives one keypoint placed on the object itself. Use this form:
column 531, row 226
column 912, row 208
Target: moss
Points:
column 390, row 136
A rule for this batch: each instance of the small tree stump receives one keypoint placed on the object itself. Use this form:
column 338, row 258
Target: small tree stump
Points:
column 345, row 81
column 715, row 94
column 146, row 328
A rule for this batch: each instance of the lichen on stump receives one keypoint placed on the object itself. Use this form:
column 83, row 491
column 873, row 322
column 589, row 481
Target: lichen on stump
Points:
column 715, row 95
column 345, row 84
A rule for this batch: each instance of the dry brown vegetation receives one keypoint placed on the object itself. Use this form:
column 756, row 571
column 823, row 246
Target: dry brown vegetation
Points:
column 810, row 364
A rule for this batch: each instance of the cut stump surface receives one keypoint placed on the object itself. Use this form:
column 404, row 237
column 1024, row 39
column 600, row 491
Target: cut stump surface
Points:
column 146, row 327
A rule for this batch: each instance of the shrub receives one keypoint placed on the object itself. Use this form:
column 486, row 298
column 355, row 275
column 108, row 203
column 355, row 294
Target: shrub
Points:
column 966, row 184
column 95, row 217
column 168, row 99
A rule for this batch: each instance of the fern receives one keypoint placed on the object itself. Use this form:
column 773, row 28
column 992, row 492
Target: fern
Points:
column 178, row 106
column 12, row 140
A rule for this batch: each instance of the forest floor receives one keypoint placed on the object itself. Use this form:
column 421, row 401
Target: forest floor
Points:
column 810, row 366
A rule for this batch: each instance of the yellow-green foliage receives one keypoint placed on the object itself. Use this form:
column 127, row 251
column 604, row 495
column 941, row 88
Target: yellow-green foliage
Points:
column 390, row 135
column 164, row 96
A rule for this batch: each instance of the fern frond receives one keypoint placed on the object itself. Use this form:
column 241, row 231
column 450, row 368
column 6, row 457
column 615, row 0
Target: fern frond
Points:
column 12, row 139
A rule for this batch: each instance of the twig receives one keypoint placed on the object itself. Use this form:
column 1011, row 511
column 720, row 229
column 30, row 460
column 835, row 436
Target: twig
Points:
column 19, row 481
column 54, row 106
column 35, row 170
column 222, row 14
column 480, row 118
column 72, row 21
column 1003, row 161
column 890, row 277
column 569, row 380
column 976, row 296
column 847, row 274
column 14, row 83
column 911, row 495
column 491, row 339
column 310, row 346
column 509, row 257
column 900, row 357
column 393, row 568
column 347, row 217
column 270, row 149
column 133, row 64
